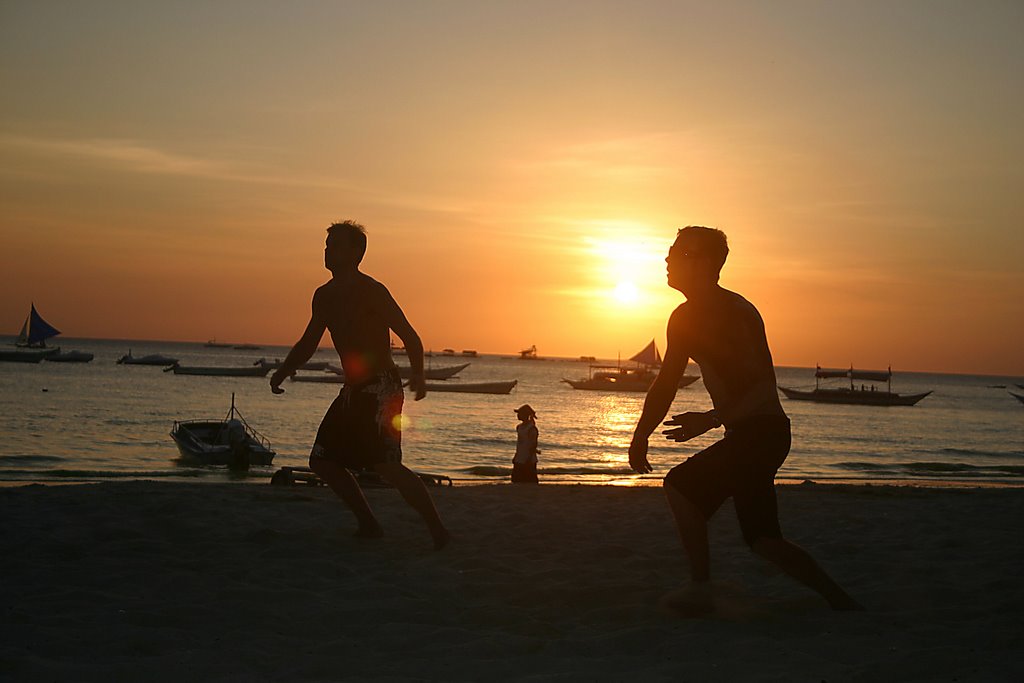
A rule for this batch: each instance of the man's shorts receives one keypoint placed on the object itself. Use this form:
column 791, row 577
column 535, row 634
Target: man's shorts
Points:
column 363, row 427
column 741, row 465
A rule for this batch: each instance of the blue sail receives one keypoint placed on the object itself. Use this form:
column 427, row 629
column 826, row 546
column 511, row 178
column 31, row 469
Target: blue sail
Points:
column 36, row 331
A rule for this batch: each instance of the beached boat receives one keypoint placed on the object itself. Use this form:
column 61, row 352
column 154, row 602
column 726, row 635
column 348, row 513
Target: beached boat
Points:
column 151, row 359
column 638, row 377
column 217, row 371
column 68, row 357
column 230, row 442
column 405, row 372
column 865, row 394
column 473, row 387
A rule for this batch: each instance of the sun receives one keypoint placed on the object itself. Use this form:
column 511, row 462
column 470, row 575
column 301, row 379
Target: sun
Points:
column 626, row 292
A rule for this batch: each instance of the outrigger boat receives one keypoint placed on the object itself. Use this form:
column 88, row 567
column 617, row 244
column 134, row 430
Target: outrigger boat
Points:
column 404, row 371
column 230, row 442
column 864, row 395
column 473, row 387
column 1017, row 396
column 309, row 365
column 637, row 378
column 216, row 371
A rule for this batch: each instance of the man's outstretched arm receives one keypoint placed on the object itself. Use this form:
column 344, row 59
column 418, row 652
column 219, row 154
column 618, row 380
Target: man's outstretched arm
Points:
column 661, row 394
column 303, row 349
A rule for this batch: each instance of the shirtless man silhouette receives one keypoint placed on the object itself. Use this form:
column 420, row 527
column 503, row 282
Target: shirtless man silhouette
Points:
column 725, row 335
column 363, row 427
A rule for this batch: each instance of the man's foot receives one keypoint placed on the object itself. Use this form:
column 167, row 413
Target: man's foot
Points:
column 694, row 600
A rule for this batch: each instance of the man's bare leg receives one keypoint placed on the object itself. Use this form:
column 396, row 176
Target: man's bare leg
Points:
column 416, row 495
column 693, row 532
column 347, row 488
column 696, row 599
column 796, row 562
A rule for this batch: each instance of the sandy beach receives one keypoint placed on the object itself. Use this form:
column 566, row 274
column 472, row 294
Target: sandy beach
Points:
column 173, row 581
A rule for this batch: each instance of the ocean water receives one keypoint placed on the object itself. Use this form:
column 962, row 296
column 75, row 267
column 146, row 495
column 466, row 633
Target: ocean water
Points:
column 87, row 422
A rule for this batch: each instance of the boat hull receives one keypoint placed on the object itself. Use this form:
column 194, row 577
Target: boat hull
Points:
column 473, row 388
column 405, row 372
column 203, row 442
column 69, row 357
column 616, row 384
column 853, row 397
column 1017, row 396
column 152, row 359
column 249, row 371
column 27, row 355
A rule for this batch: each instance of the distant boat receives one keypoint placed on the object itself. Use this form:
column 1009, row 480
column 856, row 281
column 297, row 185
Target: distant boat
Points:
column 151, row 359
column 637, row 378
column 469, row 353
column 26, row 355
column 869, row 395
column 447, row 352
column 247, row 347
column 473, row 387
column 217, row 371
column 404, row 372
column 35, row 331
column 587, row 359
column 214, row 344
column 337, row 375
column 308, row 365
column 230, row 442
column 69, row 357
column 31, row 341
column 529, row 354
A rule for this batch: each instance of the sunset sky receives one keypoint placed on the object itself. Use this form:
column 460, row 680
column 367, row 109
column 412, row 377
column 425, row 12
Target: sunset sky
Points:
column 167, row 170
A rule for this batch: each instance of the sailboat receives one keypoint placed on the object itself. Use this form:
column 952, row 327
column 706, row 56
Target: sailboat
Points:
column 636, row 378
column 32, row 339
column 35, row 331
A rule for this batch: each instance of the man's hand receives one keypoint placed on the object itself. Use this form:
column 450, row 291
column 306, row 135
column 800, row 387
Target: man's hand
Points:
column 638, row 457
column 689, row 425
column 418, row 383
column 275, row 381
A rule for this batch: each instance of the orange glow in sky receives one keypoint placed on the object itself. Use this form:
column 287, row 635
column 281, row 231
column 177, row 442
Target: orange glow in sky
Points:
column 167, row 171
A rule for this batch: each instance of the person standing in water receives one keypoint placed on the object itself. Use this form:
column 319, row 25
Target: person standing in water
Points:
column 363, row 427
column 524, row 464
column 725, row 335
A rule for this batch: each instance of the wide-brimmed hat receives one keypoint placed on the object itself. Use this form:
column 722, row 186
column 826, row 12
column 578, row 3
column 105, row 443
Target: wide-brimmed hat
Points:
column 525, row 409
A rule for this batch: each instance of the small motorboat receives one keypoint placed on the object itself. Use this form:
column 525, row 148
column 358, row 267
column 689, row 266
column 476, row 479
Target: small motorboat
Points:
column 151, row 359
column 230, row 442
